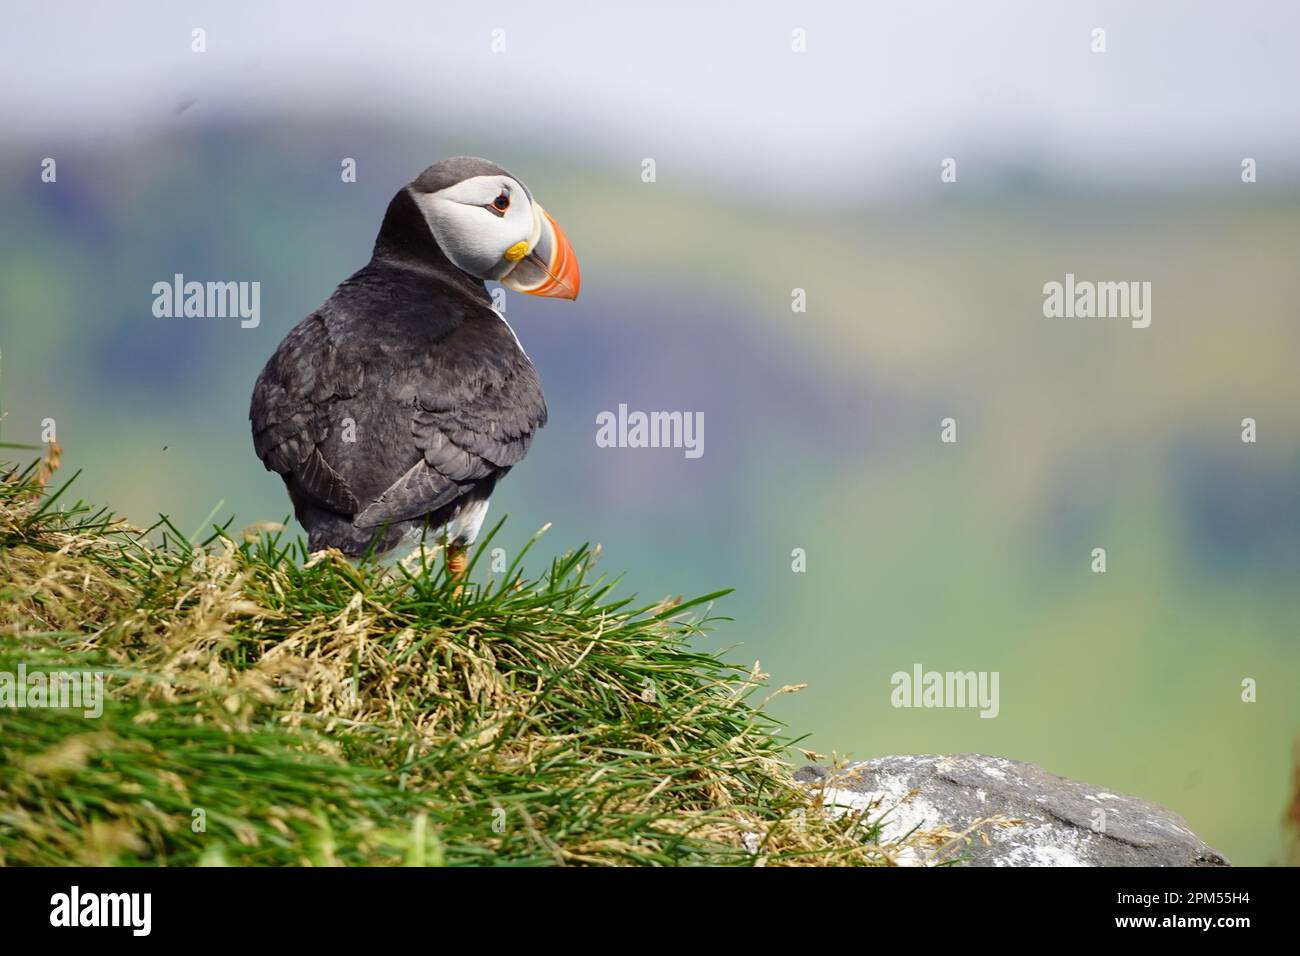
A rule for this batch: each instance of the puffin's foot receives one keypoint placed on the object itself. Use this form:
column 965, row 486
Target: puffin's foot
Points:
column 457, row 562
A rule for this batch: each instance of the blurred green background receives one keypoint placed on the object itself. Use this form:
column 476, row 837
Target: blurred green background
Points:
column 821, row 428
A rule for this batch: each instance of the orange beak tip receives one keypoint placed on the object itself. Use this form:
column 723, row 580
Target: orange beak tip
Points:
column 566, row 279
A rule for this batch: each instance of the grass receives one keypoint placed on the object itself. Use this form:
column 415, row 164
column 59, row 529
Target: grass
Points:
column 268, row 707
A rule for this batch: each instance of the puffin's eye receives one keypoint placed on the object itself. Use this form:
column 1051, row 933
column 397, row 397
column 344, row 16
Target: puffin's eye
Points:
column 502, row 202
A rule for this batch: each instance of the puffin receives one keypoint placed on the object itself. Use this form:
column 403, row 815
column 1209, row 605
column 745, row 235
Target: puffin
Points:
column 392, row 411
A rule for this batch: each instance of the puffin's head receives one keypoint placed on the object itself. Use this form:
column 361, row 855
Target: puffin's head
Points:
column 487, row 223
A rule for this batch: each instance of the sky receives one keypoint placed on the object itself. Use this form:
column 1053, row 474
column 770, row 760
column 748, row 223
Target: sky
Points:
column 880, row 93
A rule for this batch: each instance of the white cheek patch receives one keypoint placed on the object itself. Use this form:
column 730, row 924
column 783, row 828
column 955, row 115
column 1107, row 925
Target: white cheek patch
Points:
column 474, row 237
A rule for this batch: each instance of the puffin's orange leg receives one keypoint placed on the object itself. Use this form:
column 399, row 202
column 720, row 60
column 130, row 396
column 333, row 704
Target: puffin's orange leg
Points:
column 457, row 561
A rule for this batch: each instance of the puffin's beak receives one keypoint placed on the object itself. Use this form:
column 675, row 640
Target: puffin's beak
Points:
column 549, row 267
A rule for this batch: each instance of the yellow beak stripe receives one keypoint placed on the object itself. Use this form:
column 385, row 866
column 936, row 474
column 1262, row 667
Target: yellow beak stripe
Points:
column 517, row 251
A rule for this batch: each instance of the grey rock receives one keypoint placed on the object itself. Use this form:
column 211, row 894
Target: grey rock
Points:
column 991, row 811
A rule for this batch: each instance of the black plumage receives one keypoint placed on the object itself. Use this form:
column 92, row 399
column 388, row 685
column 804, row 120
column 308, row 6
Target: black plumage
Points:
column 408, row 359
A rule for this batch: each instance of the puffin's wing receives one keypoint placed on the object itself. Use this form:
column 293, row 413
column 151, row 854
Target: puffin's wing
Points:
column 289, row 413
column 470, row 421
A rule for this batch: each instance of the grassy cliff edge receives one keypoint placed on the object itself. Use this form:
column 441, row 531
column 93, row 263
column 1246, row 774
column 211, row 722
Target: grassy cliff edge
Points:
column 263, row 706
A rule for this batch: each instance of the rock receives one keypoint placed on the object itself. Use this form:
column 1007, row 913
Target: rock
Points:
column 991, row 811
